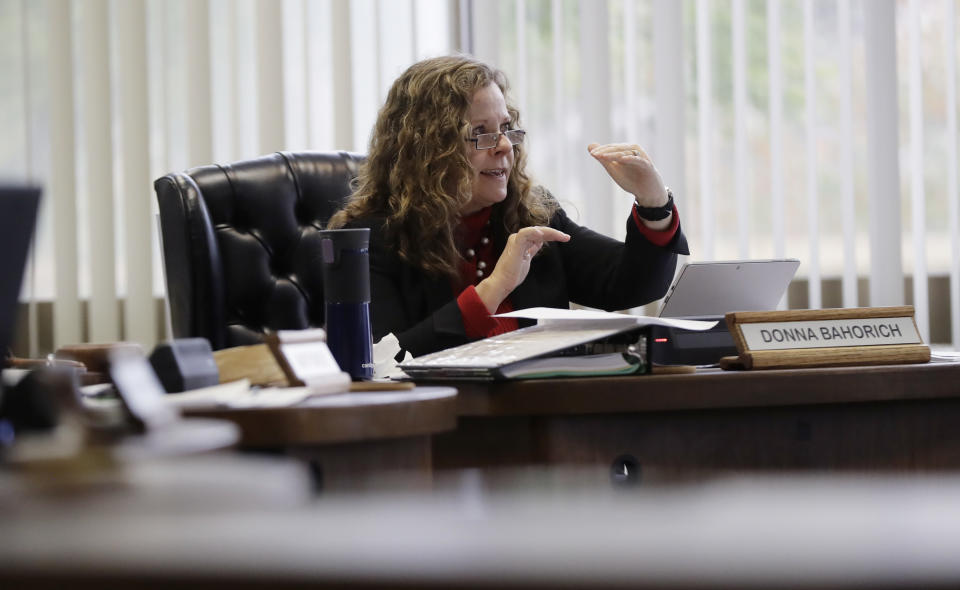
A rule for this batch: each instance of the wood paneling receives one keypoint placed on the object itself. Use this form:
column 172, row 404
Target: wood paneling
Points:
column 681, row 426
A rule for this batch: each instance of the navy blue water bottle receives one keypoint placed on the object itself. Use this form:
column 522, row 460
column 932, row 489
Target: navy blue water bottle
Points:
column 346, row 288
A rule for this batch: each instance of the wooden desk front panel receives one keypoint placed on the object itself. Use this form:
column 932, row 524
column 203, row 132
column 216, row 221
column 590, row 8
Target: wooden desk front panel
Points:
column 907, row 436
column 883, row 419
column 353, row 440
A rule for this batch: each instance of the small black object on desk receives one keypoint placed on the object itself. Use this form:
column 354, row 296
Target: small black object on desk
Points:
column 184, row 364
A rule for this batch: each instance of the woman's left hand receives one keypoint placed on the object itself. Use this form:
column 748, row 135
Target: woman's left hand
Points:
column 631, row 168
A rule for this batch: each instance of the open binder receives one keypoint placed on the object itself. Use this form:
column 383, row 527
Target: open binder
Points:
column 563, row 343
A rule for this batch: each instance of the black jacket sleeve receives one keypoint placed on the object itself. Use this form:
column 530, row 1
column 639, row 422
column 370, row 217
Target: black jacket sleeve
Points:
column 608, row 274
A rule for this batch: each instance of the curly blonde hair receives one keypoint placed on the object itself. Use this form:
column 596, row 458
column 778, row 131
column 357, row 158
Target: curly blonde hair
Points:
column 417, row 177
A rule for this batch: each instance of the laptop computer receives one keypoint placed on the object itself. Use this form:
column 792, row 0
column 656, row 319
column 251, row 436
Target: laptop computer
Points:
column 712, row 289
column 18, row 216
column 709, row 290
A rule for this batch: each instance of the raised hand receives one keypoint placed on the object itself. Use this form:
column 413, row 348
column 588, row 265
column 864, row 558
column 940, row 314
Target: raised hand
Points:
column 631, row 168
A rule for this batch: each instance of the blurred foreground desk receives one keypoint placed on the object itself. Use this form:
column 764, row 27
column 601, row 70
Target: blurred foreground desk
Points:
column 753, row 533
column 668, row 427
column 351, row 438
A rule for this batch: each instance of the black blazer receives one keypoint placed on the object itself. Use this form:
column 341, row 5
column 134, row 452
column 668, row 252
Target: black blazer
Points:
column 591, row 269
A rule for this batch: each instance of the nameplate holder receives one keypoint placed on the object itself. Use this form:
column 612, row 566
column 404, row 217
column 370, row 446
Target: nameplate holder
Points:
column 306, row 360
column 825, row 338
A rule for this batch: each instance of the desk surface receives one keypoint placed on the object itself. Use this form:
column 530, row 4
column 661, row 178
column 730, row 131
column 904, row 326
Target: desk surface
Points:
column 344, row 417
column 712, row 389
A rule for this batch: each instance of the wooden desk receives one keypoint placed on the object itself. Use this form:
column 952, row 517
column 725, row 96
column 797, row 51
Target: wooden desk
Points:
column 350, row 438
column 904, row 418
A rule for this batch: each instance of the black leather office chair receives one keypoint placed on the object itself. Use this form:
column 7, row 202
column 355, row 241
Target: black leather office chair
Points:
column 241, row 246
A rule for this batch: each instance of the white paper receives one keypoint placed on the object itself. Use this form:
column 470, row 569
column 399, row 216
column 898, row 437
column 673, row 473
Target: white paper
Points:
column 548, row 315
column 238, row 394
column 308, row 335
column 384, row 355
column 207, row 397
column 273, row 397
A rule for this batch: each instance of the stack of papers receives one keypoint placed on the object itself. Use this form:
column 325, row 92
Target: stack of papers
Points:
column 574, row 366
column 945, row 355
column 547, row 316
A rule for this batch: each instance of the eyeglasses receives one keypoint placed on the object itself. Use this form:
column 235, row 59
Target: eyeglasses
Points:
column 485, row 141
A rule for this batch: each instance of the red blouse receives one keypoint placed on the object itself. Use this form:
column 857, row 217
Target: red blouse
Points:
column 476, row 241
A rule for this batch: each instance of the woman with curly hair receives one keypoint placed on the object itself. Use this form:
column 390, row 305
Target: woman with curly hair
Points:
column 458, row 231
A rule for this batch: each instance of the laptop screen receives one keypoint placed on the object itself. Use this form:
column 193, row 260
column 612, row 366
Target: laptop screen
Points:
column 18, row 215
column 710, row 289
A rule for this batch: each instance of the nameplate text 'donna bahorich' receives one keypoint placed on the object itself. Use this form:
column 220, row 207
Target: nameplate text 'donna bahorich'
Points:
column 826, row 337
column 830, row 333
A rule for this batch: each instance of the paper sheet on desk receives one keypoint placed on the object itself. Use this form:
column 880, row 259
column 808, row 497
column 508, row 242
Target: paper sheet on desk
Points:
column 238, row 394
column 945, row 356
column 552, row 315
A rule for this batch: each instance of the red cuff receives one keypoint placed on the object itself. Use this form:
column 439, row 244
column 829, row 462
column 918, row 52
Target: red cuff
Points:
column 477, row 321
column 658, row 237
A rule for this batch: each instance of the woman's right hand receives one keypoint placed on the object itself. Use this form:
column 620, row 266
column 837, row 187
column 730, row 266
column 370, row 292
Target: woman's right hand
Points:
column 514, row 263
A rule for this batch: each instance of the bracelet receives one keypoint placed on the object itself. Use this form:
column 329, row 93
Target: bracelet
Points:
column 656, row 213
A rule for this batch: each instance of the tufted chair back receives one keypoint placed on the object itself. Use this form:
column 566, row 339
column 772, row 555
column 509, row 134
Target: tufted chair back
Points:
column 241, row 243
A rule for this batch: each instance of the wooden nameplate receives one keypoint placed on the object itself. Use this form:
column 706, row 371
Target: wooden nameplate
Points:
column 825, row 338
column 304, row 358
column 255, row 362
column 261, row 365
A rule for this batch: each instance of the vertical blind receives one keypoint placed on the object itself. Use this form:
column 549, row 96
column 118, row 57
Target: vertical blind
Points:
column 953, row 211
column 818, row 129
column 812, row 194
